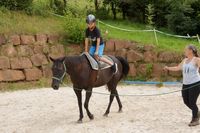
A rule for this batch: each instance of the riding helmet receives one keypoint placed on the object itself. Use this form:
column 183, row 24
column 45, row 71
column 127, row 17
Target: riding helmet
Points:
column 90, row 19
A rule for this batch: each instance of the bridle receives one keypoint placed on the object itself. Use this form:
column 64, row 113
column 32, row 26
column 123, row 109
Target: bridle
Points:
column 63, row 75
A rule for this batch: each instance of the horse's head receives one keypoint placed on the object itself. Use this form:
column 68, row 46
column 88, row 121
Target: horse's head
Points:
column 59, row 71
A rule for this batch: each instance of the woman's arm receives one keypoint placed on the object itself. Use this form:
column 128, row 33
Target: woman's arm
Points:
column 175, row 68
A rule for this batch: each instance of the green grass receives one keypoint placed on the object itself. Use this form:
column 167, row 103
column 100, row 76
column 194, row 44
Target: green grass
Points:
column 14, row 86
column 42, row 83
column 164, row 42
column 19, row 22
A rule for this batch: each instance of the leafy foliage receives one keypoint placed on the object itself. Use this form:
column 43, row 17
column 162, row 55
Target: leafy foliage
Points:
column 16, row 4
column 181, row 16
column 39, row 7
column 102, row 13
column 180, row 20
column 114, row 4
column 150, row 15
column 75, row 27
column 59, row 6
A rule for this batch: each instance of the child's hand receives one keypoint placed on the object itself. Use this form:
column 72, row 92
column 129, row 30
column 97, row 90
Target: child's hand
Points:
column 106, row 32
column 96, row 57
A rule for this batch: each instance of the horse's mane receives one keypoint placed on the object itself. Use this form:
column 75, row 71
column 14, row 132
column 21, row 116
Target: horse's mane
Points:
column 76, row 59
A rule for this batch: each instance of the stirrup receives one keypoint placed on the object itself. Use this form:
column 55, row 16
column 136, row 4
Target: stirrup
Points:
column 116, row 68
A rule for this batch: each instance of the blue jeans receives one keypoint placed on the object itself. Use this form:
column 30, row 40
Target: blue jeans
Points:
column 93, row 49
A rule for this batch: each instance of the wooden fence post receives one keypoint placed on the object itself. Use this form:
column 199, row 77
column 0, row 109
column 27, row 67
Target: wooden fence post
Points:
column 198, row 38
column 156, row 38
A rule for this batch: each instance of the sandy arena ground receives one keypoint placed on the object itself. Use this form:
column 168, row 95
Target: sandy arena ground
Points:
column 50, row 111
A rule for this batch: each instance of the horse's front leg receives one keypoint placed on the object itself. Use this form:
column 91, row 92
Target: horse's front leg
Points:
column 79, row 98
column 87, row 99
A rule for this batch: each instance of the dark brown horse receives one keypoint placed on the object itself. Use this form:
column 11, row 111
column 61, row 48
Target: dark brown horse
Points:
column 84, row 77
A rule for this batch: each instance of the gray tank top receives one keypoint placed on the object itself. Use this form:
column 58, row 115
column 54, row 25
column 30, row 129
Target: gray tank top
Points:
column 190, row 72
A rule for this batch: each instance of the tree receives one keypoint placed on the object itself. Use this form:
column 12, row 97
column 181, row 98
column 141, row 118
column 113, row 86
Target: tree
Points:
column 137, row 10
column 161, row 9
column 124, row 6
column 96, row 4
column 179, row 18
column 114, row 4
column 196, row 15
column 59, row 6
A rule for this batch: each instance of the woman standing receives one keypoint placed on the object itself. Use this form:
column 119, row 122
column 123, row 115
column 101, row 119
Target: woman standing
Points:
column 191, row 79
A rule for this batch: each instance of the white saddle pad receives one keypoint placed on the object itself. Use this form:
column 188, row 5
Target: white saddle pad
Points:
column 97, row 65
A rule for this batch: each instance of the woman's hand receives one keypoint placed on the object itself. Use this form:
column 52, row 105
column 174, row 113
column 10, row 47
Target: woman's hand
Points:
column 166, row 68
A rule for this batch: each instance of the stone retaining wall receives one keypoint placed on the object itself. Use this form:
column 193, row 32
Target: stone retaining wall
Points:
column 25, row 57
column 145, row 61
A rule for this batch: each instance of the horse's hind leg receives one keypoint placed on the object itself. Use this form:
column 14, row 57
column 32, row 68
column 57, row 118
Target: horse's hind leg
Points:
column 87, row 99
column 112, row 87
column 118, row 101
column 110, row 102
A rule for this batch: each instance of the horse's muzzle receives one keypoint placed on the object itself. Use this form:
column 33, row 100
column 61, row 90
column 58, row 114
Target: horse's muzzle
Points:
column 55, row 87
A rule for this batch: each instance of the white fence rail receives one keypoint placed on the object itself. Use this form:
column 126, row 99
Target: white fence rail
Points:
column 151, row 30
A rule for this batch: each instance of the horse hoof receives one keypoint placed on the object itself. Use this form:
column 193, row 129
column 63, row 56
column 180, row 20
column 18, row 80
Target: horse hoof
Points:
column 120, row 111
column 91, row 117
column 79, row 121
column 105, row 115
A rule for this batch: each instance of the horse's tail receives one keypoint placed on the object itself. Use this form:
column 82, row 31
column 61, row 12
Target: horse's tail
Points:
column 125, row 66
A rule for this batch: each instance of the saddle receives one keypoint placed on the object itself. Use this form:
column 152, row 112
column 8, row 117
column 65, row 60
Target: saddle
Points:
column 97, row 65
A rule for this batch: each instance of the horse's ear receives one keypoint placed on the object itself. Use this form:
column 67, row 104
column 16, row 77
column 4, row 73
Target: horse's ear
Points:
column 51, row 59
column 62, row 59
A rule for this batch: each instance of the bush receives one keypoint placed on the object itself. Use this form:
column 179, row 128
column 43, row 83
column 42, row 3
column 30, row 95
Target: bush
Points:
column 39, row 8
column 76, row 10
column 75, row 24
column 3, row 10
column 16, row 4
column 75, row 28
